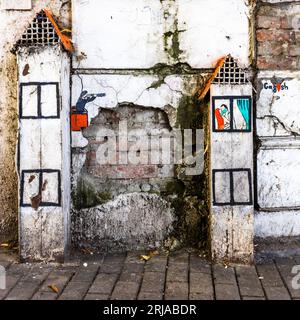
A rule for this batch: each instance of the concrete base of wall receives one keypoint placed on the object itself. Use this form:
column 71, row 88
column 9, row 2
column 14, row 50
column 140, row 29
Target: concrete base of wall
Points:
column 285, row 223
column 271, row 247
column 129, row 222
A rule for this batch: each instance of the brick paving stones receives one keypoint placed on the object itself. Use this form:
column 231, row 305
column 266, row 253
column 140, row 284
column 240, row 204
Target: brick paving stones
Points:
column 178, row 276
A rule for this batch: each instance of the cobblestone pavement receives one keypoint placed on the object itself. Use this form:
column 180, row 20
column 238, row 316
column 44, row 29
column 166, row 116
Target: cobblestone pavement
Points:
column 179, row 276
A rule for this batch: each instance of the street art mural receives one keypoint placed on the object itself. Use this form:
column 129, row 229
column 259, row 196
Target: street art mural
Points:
column 79, row 117
column 232, row 114
column 222, row 115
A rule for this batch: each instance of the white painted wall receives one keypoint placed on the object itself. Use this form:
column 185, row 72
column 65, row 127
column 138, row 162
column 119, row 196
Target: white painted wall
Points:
column 130, row 33
column 278, row 164
column 278, row 186
column 213, row 29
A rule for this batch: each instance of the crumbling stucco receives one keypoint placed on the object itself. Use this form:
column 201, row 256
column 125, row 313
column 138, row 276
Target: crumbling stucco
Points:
column 171, row 100
column 8, row 139
column 116, row 225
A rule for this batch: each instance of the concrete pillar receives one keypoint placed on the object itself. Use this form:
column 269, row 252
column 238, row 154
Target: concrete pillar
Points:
column 232, row 211
column 44, row 152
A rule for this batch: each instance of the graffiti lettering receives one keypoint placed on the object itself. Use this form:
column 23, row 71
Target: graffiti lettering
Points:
column 277, row 87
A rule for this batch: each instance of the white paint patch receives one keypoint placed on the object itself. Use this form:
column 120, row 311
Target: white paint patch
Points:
column 141, row 33
column 213, row 29
column 119, row 33
column 278, row 185
column 277, row 224
column 278, row 156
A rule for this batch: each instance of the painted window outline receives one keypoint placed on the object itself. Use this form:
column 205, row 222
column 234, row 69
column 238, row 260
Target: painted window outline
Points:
column 39, row 102
column 231, row 98
column 231, row 186
column 40, row 173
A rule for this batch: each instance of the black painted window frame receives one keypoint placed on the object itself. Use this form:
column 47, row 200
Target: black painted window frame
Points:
column 40, row 172
column 231, row 98
column 232, row 202
column 39, row 103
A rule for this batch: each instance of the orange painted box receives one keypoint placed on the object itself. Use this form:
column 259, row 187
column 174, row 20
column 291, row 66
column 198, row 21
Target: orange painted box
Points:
column 79, row 121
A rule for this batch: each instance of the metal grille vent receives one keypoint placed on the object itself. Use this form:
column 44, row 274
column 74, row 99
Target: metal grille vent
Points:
column 40, row 33
column 231, row 73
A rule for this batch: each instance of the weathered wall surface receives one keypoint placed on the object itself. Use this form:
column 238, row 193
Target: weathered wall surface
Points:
column 278, row 129
column 149, row 58
column 139, row 34
column 16, row 20
column 126, row 206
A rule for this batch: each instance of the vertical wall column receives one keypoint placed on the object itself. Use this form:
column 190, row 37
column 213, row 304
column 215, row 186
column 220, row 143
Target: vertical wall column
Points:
column 232, row 210
column 44, row 153
column 277, row 123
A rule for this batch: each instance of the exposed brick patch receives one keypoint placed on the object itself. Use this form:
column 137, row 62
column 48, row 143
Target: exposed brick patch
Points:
column 278, row 63
column 278, row 37
column 275, row 35
column 124, row 171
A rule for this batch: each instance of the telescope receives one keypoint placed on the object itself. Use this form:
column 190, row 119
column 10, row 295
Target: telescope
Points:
column 95, row 95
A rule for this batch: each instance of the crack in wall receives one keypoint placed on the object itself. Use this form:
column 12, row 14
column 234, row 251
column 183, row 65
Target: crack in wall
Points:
column 275, row 118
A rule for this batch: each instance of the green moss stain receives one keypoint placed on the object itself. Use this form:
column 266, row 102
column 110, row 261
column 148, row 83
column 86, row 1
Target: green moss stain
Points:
column 188, row 200
column 175, row 187
column 171, row 36
column 171, row 42
column 189, row 113
column 87, row 197
column 164, row 70
column 189, row 195
column 158, row 83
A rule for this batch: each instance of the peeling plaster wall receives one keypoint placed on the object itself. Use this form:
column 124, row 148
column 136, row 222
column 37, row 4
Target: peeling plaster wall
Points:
column 278, row 126
column 16, row 21
column 146, row 53
column 135, row 209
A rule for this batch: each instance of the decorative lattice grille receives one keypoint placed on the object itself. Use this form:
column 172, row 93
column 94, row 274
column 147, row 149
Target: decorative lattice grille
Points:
column 231, row 73
column 39, row 33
